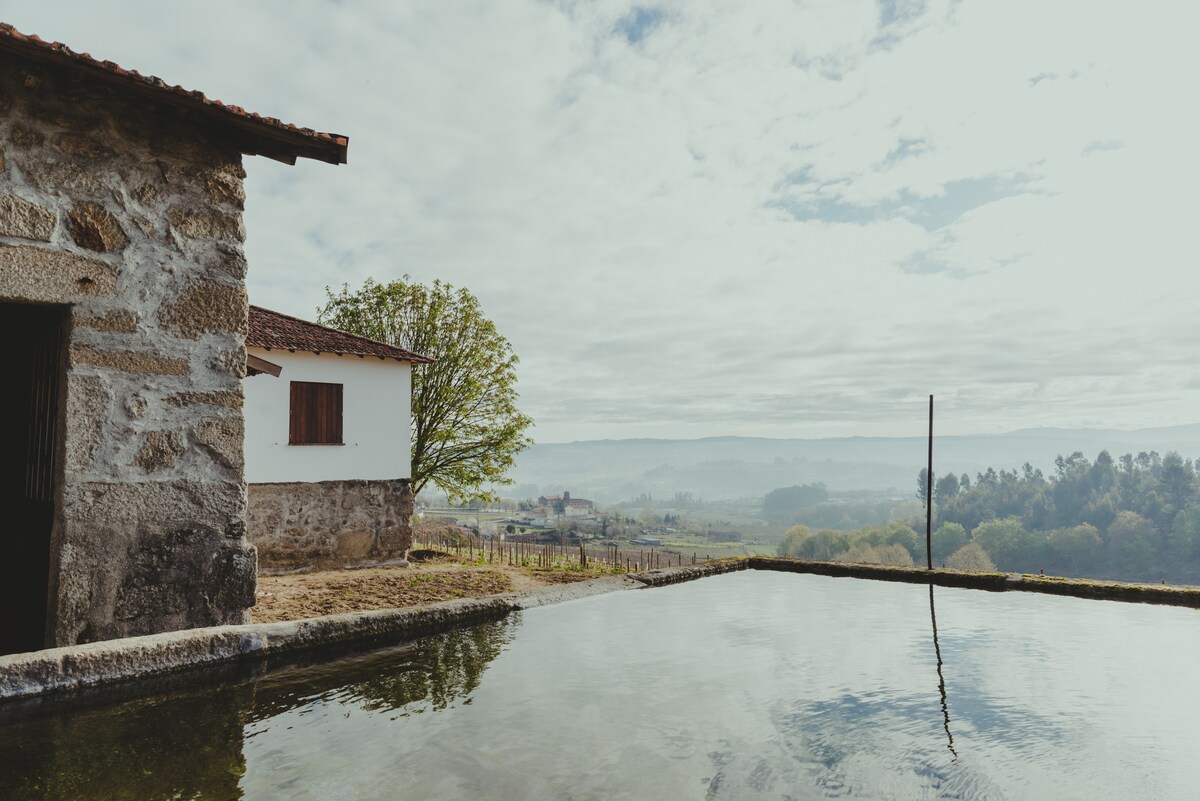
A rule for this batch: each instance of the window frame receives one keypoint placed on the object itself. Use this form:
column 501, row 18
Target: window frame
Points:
column 316, row 411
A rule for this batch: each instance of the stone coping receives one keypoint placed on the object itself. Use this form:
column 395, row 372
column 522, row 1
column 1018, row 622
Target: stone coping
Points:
column 60, row 671
column 995, row 582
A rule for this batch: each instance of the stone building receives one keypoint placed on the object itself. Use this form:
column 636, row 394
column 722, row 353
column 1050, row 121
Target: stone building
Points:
column 123, row 312
column 328, row 451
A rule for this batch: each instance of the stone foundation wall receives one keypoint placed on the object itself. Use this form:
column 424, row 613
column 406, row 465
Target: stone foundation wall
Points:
column 123, row 212
column 329, row 523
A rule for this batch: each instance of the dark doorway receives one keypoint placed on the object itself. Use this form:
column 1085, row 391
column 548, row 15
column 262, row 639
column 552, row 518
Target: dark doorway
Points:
column 30, row 369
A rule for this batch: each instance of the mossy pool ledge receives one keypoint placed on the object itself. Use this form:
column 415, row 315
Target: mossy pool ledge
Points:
column 127, row 661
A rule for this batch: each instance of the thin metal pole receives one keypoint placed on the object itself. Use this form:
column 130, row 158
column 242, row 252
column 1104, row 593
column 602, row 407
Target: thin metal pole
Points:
column 929, row 493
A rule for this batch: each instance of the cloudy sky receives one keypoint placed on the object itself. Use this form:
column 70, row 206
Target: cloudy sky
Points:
column 710, row 217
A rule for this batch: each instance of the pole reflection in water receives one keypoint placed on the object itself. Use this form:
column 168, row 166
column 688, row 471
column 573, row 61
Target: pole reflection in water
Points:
column 941, row 679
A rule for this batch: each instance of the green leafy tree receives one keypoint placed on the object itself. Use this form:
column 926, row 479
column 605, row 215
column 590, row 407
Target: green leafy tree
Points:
column 1075, row 551
column 1183, row 544
column 897, row 532
column 1009, row 545
column 1133, row 546
column 466, row 425
column 1177, row 485
column 944, row 488
column 824, row 545
column 793, row 540
column 947, row 539
column 923, row 485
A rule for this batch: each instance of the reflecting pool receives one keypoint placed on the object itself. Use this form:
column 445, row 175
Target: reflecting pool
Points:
column 752, row 685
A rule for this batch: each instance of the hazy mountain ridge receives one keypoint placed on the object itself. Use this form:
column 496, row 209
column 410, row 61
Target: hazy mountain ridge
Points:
column 728, row 467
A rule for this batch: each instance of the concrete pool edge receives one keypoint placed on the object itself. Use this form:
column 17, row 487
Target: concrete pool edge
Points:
column 63, row 670
column 1095, row 589
column 60, row 671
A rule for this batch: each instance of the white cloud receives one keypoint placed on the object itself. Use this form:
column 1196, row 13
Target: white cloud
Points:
column 765, row 218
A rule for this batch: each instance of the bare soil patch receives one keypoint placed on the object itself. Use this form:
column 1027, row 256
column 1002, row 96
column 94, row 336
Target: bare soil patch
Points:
column 434, row 578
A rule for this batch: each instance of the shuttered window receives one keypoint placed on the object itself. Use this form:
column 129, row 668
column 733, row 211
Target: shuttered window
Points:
column 316, row 417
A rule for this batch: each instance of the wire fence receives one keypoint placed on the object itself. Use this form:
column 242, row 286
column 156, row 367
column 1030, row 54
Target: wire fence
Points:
column 600, row 558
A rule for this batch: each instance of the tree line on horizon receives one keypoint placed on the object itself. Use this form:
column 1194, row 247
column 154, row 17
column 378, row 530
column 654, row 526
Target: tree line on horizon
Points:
column 1135, row 518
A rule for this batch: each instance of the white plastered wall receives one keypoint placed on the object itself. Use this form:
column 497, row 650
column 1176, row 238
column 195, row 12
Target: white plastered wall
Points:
column 376, row 428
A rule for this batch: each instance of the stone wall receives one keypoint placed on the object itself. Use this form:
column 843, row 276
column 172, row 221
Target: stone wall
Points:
column 329, row 523
column 121, row 210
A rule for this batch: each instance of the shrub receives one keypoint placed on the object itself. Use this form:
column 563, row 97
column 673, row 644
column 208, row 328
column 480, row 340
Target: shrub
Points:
column 971, row 556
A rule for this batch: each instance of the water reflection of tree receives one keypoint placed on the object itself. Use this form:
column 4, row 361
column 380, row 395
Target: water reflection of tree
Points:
column 187, row 742
column 445, row 668
column 435, row 671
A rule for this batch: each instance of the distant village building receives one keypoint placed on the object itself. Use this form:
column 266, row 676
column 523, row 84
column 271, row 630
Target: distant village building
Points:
column 123, row 306
column 328, row 457
column 563, row 506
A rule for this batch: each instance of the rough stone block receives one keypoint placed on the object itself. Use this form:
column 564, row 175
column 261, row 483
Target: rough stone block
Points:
column 104, row 503
column 226, row 260
column 82, row 147
column 135, row 406
column 223, row 439
column 95, row 228
column 226, row 398
column 126, row 544
column 120, row 321
column 186, row 570
column 207, row 223
column 235, row 577
column 23, row 136
column 129, row 361
column 160, row 450
column 231, row 362
column 146, row 193
column 354, row 544
column 87, row 412
column 37, row 274
column 395, row 539
column 24, row 220
column 223, row 184
column 207, row 306
column 61, row 178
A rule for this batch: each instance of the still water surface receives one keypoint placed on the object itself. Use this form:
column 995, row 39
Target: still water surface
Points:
column 754, row 685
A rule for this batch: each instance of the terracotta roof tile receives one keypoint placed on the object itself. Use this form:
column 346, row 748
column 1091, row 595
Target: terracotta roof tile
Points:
column 274, row 331
column 253, row 133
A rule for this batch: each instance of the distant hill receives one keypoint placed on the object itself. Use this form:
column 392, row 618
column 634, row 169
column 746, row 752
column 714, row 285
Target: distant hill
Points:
column 716, row 468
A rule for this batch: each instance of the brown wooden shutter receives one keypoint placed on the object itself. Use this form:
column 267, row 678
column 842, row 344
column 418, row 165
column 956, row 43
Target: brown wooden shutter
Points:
column 316, row 414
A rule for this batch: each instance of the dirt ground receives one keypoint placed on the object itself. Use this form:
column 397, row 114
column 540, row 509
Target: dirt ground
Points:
column 330, row 592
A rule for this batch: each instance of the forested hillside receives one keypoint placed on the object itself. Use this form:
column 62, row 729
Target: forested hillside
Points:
column 1135, row 518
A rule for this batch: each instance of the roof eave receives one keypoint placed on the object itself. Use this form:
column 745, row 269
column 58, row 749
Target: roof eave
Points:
column 252, row 134
column 412, row 360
